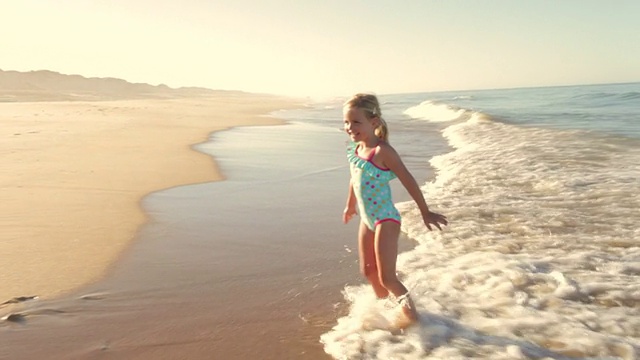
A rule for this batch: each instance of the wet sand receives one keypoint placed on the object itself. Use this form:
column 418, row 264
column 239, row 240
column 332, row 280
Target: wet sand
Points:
column 72, row 175
column 250, row 267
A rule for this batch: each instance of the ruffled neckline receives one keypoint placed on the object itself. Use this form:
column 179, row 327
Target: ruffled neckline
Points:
column 366, row 165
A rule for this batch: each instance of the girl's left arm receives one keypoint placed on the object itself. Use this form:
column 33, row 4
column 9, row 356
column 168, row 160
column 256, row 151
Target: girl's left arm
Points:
column 392, row 161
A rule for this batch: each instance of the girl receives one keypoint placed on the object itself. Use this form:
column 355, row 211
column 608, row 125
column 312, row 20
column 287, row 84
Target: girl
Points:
column 373, row 163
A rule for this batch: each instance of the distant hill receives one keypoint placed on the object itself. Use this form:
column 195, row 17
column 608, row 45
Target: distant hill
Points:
column 44, row 85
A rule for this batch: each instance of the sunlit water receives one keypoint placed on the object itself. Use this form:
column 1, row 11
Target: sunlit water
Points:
column 542, row 256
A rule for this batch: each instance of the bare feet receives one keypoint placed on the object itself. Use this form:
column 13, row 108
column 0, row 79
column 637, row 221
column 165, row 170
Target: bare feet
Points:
column 409, row 314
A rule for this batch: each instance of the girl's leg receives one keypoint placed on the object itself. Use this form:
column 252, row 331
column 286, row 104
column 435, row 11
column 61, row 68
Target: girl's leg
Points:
column 386, row 253
column 368, row 262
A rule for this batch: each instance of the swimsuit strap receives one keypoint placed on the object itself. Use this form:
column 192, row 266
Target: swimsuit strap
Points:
column 367, row 165
column 372, row 154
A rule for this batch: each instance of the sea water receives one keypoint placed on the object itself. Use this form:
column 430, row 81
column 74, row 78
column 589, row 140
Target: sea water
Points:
column 541, row 259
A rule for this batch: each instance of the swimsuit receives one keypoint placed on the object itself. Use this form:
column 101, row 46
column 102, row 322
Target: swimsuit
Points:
column 371, row 187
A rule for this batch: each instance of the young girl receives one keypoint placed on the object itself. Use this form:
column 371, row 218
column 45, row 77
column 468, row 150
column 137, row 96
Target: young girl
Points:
column 373, row 163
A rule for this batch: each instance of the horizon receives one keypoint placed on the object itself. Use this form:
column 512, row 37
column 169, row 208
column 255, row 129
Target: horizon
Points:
column 287, row 49
column 399, row 93
column 330, row 96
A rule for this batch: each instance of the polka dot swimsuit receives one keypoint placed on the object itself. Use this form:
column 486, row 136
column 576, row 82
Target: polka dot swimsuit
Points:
column 371, row 187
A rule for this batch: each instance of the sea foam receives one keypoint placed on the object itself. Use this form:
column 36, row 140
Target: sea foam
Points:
column 541, row 257
column 435, row 111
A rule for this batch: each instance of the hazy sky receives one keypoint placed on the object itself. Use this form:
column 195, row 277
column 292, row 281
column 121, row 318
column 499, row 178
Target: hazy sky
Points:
column 327, row 47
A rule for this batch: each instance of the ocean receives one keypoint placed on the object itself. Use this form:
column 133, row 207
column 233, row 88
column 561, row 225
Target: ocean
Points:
column 542, row 255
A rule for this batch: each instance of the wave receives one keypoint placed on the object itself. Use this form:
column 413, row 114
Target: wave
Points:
column 436, row 112
column 610, row 96
column 632, row 95
column 540, row 259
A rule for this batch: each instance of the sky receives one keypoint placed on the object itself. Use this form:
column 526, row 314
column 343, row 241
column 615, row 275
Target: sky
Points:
column 327, row 47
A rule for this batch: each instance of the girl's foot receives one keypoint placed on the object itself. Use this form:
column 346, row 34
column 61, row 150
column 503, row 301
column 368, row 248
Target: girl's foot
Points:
column 409, row 311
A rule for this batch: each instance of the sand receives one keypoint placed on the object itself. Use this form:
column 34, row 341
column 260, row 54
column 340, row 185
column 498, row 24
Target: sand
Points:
column 250, row 267
column 122, row 269
column 73, row 173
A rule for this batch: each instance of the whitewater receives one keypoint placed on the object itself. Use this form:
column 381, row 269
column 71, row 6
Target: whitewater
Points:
column 542, row 256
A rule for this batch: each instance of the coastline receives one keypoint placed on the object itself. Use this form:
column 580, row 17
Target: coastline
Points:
column 198, row 281
column 195, row 286
column 75, row 173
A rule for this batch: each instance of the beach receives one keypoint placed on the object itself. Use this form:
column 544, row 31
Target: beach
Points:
column 169, row 226
column 174, row 179
column 259, row 265
column 74, row 173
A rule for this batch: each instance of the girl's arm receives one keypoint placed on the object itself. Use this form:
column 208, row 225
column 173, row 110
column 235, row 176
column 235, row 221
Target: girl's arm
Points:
column 350, row 209
column 391, row 160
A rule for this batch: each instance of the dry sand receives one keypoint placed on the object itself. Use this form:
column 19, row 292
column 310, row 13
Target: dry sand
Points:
column 73, row 173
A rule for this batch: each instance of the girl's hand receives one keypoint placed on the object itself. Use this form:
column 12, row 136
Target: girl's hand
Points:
column 431, row 218
column 348, row 213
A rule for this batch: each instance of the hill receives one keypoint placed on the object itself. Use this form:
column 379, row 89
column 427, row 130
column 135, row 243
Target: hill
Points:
column 44, row 85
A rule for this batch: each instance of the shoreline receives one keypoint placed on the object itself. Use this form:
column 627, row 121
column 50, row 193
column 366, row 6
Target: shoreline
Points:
column 199, row 281
column 76, row 174
column 195, row 255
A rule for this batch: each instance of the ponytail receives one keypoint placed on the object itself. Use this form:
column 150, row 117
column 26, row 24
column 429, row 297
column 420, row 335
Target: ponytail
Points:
column 382, row 131
column 369, row 103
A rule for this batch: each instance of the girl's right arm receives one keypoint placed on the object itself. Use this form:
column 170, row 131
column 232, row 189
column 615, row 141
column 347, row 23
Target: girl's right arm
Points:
column 350, row 209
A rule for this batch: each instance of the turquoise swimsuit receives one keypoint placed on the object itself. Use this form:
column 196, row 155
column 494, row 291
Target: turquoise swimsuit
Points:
column 371, row 187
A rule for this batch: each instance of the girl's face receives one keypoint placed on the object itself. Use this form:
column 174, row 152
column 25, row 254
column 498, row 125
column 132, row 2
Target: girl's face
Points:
column 356, row 124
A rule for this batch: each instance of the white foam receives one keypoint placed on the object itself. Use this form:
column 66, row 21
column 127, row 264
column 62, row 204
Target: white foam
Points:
column 434, row 111
column 541, row 259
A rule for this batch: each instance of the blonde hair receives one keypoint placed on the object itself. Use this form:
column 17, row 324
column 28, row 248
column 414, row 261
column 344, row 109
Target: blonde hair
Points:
column 369, row 103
